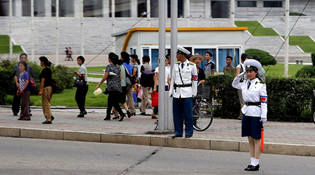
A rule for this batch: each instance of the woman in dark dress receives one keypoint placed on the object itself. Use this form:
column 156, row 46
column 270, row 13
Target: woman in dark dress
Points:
column 112, row 75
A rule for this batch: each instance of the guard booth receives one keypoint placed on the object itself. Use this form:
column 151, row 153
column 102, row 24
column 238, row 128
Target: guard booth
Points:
column 220, row 41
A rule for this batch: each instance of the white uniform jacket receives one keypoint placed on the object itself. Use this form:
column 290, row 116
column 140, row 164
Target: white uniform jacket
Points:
column 188, row 76
column 252, row 91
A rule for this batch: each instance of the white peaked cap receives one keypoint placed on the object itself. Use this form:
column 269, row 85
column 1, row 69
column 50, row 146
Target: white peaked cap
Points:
column 181, row 49
column 253, row 63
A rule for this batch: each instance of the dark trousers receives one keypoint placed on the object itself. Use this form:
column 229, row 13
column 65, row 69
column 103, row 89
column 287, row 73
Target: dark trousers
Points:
column 80, row 96
column 113, row 101
column 16, row 102
column 25, row 105
column 182, row 110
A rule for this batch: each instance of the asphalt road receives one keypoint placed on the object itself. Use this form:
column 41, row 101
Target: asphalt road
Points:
column 20, row 156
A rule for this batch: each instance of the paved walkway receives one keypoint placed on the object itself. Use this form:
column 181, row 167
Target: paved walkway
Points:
column 225, row 129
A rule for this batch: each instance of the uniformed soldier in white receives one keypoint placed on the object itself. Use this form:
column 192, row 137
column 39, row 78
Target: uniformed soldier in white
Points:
column 183, row 88
column 255, row 109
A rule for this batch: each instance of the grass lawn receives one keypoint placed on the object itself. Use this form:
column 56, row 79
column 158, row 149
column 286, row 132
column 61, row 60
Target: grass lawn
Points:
column 95, row 76
column 304, row 42
column 4, row 45
column 256, row 29
column 278, row 70
column 67, row 98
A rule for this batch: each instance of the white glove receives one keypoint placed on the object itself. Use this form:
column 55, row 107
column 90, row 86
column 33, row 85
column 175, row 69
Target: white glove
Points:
column 241, row 74
column 263, row 120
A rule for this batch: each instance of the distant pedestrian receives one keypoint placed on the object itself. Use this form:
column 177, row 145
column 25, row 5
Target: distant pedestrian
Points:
column 197, row 59
column 113, row 88
column 146, row 81
column 46, row 88
column 183, row 89
column 129, row 70
column 24, row 91
column 16, row 98
column 210, row 65
column 167, row 82
column 82, row 86
column 70, row 54
column 229, row 69
column 254, row 111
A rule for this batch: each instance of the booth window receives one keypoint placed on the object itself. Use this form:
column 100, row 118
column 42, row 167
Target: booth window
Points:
column 276, row 4
column 246, row 3
column 66, row 8
column 220, row 9
column 93, row 8
column 142, row 8
column 180, row 6
column 122, row 8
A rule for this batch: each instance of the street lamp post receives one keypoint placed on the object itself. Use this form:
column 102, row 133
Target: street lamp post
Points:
column 162, row 25
column 57, row 32
column 287, row 37
column 10, row 30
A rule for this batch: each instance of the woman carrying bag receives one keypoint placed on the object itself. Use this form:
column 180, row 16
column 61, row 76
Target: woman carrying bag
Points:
column 113, row 77
column 82, row 86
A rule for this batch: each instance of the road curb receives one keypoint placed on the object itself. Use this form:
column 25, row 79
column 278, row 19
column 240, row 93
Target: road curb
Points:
column 151, row 140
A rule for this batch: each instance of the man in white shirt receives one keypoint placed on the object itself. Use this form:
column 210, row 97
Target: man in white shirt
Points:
column 183, row 88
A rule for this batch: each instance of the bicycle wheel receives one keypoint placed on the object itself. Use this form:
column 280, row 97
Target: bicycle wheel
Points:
column 203, row 115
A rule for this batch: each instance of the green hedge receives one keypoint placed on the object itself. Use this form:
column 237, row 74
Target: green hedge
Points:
column 288, row 99
column 306, row 72
column 62, row 75
column 265, row 58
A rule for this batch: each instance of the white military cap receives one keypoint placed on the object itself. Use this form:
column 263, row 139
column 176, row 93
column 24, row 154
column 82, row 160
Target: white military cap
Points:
column 252, row 64
column 182, row 50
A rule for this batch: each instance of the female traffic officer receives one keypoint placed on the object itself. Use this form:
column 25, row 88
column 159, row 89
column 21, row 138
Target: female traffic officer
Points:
column 255, row 109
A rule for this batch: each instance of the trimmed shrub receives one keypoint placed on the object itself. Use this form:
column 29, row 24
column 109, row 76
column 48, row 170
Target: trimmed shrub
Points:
column 306, row 72
column 264, row 57
column 288, row 99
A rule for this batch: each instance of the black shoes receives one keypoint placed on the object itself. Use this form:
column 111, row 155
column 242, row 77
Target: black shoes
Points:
column 142, row 113
column 129, row 114
column 107, row 118
column 84, row 112
column 252, row 168
column 15, row 114
column 52, row 118
column 47, row 122
column 121, row 118
column 187, row 137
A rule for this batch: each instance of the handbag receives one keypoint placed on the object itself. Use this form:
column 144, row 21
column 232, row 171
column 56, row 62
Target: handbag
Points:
column 79, row 82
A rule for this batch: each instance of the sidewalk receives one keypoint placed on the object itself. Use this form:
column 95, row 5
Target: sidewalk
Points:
column 276, row 133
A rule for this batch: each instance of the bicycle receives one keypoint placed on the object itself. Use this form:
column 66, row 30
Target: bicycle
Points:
column 203, row 109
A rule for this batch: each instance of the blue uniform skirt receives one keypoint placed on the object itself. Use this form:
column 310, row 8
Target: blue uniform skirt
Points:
column 251, row 126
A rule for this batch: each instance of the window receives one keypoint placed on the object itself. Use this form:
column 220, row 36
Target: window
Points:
column 180, row 11
column 142, row 8
column 220, row 9
column 122, row 8
column 247, row 4
column 154, row 9
column 66, row 8
column 93, row 8
column 273, row 4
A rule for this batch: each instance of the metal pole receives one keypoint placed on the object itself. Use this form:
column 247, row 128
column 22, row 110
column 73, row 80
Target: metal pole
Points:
column 162, row 24
column 232, row 9
column 287, row 37
column 174, row 16
column 10, row 30
column 81, row 28
column 57, row 32
column 113, row 24
column 148, row 8
column 32, row 30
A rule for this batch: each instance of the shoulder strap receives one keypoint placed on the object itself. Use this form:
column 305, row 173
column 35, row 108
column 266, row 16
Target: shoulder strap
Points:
column 180, row 75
